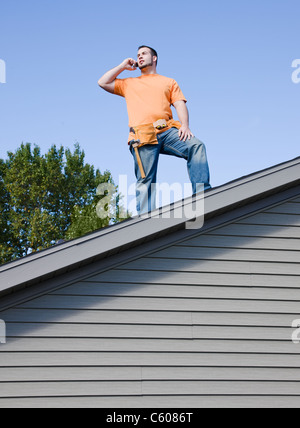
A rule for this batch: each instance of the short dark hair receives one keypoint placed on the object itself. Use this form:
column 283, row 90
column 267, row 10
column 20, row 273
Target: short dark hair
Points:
column 153, row 51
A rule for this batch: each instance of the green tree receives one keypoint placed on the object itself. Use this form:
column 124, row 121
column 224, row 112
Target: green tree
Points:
column 4, row 211
column 45, row 198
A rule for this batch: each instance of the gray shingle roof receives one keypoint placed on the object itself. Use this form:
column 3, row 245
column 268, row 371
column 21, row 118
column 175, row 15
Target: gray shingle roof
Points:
column 103, row 243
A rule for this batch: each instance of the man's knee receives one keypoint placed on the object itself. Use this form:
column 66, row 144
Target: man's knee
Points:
column 196, row 142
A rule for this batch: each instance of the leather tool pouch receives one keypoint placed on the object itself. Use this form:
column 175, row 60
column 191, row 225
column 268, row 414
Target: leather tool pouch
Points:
column 145, row 133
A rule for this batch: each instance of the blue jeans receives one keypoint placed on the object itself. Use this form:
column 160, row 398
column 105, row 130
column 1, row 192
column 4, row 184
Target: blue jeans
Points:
column 193, row 151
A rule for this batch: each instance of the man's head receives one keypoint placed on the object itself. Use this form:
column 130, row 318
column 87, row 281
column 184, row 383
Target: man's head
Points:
column 146, row 56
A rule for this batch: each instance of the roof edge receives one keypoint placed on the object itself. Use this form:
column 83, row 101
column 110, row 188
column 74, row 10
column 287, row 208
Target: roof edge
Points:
column 99, row 244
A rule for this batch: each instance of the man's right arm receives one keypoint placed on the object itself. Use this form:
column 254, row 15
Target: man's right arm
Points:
column 107, row 81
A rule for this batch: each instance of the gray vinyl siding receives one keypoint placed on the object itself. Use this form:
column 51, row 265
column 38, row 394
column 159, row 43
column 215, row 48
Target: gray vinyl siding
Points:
column 205, row 322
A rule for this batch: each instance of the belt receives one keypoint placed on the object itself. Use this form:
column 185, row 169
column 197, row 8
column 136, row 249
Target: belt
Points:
column 159, row 125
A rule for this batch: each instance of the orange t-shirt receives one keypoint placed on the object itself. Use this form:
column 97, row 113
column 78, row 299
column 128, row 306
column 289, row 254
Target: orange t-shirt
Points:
column 149, row 98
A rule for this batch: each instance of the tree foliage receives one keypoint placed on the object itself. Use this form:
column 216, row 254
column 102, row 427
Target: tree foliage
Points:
column 46, row 198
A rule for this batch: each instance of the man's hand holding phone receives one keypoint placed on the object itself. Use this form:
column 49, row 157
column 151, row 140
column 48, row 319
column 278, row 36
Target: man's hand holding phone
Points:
column 129, row 64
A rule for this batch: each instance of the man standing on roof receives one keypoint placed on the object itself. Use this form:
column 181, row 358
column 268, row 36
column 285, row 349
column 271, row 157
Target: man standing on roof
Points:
column 149, row 98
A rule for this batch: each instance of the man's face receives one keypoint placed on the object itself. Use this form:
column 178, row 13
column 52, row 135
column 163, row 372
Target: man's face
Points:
column 144, row 58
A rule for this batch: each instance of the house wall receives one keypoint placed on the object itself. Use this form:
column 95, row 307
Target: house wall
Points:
column 203, row 323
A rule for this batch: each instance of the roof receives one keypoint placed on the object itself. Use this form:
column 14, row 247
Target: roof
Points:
column 130, row 234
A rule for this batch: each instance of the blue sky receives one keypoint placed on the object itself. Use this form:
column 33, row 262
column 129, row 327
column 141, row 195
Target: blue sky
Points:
column 232, row 59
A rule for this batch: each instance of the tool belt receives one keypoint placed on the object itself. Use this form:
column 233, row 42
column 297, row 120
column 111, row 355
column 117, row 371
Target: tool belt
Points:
column 147, row 134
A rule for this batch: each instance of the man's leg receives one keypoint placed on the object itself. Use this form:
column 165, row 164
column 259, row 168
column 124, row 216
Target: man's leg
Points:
column 193, row 151
column 145, row 187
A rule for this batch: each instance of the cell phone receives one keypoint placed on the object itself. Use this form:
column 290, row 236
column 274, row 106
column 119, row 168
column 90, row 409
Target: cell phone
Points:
column 135, row 64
